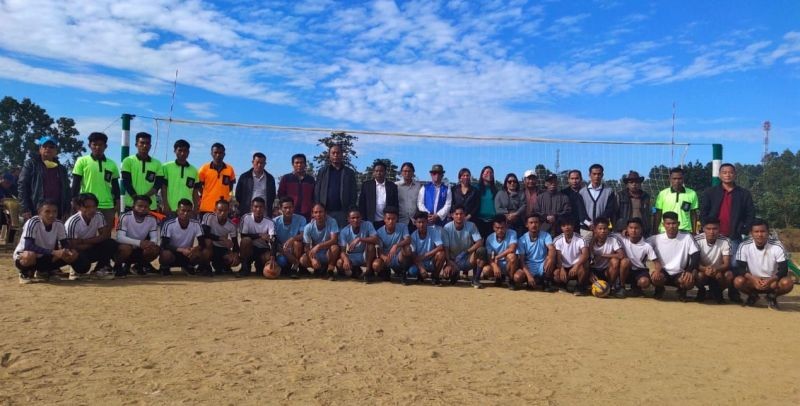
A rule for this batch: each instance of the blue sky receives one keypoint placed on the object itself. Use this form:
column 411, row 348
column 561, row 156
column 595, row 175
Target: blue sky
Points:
column 590, row 70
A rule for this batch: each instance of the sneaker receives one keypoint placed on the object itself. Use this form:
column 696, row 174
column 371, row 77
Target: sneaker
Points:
column 659, row 293
column 209, row 273
column 549, row 288
column 404, row 279
column 511, row 285
column 498, row 282
column 189, row 270
column 41, row 276
column 476, row 284
column 619, row 293
column 244, row 271
column 139, row 270
column 636, row 292
column 294, row 272
column 73, row 276
column 149, row 268
column 701, row 295
column 682, row 295
column 24, row 279
column 165, row 272
column 735, row 297
column 751, row 300
column 331, row 275
column 436, row 282
column 772, row 301
column 121, row 272
column 104, row 273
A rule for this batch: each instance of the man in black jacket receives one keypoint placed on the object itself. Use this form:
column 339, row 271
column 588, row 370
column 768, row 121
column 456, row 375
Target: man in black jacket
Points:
column 376, row 194
column 256, row 182
column 336, row 186
column 633, row 202
column 733, row 206
column 43, row 178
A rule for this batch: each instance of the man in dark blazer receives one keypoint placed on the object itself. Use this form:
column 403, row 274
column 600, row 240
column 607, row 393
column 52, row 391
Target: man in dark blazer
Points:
column 377, row 194
column 256, row 182
column 336, row 186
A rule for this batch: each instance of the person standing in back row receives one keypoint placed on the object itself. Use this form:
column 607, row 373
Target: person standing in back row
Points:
column 598, row 201
column 299, row 186
column 216, row 180
column 678, row 199
column 256, row 182
column 336, row 186
column 44, row 178
column 180, row 180
column 97, row 174
column 377, row 194
column 141, row 173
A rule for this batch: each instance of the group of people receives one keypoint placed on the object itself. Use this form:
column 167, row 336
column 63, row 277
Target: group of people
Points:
column 209, row 221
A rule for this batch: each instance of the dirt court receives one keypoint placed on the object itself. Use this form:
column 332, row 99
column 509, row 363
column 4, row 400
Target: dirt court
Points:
column 195, row 340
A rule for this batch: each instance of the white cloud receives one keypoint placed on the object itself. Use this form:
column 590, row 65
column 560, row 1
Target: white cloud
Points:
column 201, row 110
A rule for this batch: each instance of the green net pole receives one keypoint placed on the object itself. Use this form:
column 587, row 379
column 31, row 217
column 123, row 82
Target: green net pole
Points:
column 125, row 150
column 716, row 162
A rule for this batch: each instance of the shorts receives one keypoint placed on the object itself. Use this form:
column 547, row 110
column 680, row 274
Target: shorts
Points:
column 600, row 273
column 462, row 263
column 394, row 262
column 218, row 254
column 671, row 280
column 536, row 268
column 503, row 264
column 180, row 259
column 636, row 274
column 322, row 256
column 100, row 253
column 357, row 258
column 45, row 263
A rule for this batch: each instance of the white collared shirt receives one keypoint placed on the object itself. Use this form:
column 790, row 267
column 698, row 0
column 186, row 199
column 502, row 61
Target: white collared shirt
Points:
column 380, row 200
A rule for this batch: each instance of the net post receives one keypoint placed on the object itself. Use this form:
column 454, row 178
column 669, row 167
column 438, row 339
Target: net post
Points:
column 716, row 162
column 124, row 150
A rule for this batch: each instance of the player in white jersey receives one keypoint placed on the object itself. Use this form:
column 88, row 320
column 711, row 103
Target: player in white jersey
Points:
column 763, row 266
column 501, row 251
column 394, row 250
column 715, row 262
column 464, row 247
column 90, row 236
column 258, row 241
column 572, row 256
column 606, row 253
column 633, row 268
column 137, row 236
column 427, row 249
column 43, row 246
column 357, row 244
column 224, row 236
column 178, row 238
column 289, row 234
column 678, row 255
column 321, row 240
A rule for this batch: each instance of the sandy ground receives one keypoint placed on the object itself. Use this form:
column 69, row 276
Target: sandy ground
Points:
column 195, row 340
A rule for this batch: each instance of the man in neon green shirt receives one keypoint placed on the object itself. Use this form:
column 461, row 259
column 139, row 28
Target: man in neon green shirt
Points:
column 98, row 175
column 180, row 180
column 679, row 199
column 141, row 173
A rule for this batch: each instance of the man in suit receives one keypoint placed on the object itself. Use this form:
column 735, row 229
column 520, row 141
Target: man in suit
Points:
column 376, row 194
column 256, row 182
column 336, row 186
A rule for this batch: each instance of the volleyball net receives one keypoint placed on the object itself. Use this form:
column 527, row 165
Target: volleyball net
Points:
column 506, row 154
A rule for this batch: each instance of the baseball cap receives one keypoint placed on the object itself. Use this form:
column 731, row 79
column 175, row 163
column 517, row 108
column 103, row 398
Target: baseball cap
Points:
column 45, row 139
column 529, row 173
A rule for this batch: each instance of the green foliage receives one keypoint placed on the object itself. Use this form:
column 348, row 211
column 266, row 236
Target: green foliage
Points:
column 777, row 190
column 22, row 123
column 344, row 140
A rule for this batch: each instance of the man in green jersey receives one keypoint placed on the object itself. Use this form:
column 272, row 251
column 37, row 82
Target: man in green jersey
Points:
column 180, row 180
column 679, row 199
column 98, row 175
column 141, row 173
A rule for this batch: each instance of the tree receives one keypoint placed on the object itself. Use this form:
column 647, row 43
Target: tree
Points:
column 22, row 123
column 777, row 191
column 697, row 176
column 391, row 169
column 343, row 139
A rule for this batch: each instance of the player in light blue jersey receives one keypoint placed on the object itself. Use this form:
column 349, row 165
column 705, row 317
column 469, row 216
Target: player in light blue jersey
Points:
column 537, row 256
column 321, row 238
column 289, row 234
column 501, row 250
column 427, row 250
column 357, row 244
column 395, row 246
column 464, row 247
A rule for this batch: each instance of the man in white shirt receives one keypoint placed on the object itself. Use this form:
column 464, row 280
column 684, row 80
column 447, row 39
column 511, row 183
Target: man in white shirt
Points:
column 633, row 268
column 715, row 261
column 763, row 266
column 606, row 254
column 678, row 255
column 90, row 236
column 258, row 241
column 137, row 236
column 43, row 246
column 377, row 194
column 178, row 248
column 435, row 197
column 572, row 256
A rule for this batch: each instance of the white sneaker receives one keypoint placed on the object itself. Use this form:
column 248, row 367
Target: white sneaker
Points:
column 73, row 276
column 24, row 280
column 104, row 273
